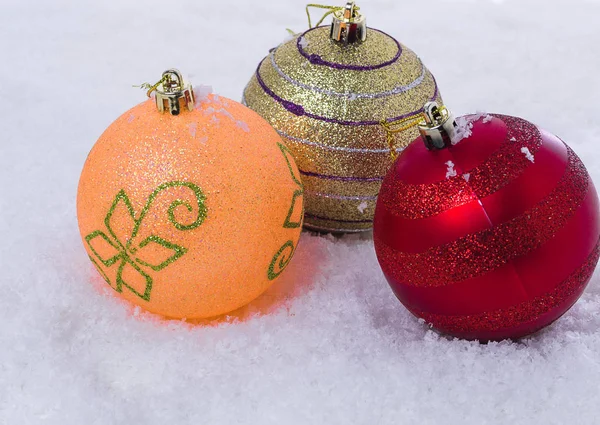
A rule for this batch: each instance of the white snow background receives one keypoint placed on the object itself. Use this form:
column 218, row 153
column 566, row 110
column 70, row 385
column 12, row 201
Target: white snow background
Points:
column 336, row 347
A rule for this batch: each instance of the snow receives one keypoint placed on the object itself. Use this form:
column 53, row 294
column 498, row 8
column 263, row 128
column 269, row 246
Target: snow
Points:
column 464, row 125
column 362, row 207
column 450, row 171
column 220, row 109
column 193, row 127
column 463, row 129
column 243, row 125
column 201, row 93
column 329, row 343
column 303, row 42
column 527, row 153
column 289, row 35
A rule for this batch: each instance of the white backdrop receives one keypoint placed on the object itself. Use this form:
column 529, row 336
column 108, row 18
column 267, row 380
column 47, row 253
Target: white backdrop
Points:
column 340, row 349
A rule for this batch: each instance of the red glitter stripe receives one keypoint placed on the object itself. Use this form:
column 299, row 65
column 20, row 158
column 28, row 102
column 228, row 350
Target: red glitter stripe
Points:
column 414, row 236
column 533, row 185
column 523, row 193
column 508, row 162
column 477, row 253
column 523, row 318
column 523, row 278
column 503, row 166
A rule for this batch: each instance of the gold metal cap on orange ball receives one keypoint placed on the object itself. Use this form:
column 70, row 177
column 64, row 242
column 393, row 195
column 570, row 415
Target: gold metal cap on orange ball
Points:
column 172, row 93
column 438, row 129
column 348, row 25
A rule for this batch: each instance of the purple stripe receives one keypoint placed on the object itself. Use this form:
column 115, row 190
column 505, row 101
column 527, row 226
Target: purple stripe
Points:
column 343, row 179
column 299, row 109
column 318, row 60
column 317, row 217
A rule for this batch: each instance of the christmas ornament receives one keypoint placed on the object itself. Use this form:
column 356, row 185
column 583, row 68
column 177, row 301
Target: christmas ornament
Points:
column 335, row 94
column 191, row 213
column 489, row 229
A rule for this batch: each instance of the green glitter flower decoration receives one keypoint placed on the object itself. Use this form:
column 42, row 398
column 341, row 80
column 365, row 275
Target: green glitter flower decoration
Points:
column 133, row 270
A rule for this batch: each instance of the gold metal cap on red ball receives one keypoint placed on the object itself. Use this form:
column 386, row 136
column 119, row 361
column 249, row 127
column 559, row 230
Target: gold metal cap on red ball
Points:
column 438, row 129
column 348, row 25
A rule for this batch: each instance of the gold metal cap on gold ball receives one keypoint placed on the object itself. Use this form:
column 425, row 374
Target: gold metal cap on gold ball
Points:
column 348, row 25
column 346, row 99
column 171, row 92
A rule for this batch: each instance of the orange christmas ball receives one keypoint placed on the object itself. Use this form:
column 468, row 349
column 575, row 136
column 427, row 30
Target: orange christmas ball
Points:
column 191, row 214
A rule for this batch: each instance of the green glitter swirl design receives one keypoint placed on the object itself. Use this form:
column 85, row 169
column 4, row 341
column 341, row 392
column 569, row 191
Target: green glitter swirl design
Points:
column 284, row 255
column 130, row 257
column 281, row 260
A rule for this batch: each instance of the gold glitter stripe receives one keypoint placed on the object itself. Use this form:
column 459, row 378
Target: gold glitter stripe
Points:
column 361, row 188
column 302, row 127
column 342, row 108
column 361, row 91
column 376, row 49
column 347, row 210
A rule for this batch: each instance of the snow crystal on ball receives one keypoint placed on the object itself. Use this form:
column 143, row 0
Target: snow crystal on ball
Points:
column 450, row 172
column 303, row 42
column 527, row 154
column 289, row 36
column 201, row 94
column 225, row 112
column 241, row 124
column 362, row 207
column 214, row 114
column 467, row 176
column 463, row 129
column 193, row 127
column 478, row 115
column 464, row 125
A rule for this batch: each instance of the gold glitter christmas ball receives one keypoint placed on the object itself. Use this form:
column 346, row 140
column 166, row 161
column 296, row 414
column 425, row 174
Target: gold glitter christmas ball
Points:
column 191, row 214
column 329, row 97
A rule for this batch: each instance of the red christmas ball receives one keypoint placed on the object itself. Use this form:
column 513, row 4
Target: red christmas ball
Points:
column 493, row 237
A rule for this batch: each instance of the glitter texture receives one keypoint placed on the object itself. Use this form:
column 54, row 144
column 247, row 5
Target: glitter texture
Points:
column 353, row 53
column 174, row 219
column 478, row 273
column 494, row 324
column 128, row 254
column 326, row 100
column 475, row 254
column 503, row 166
